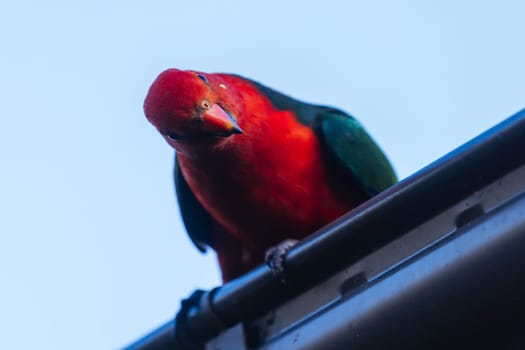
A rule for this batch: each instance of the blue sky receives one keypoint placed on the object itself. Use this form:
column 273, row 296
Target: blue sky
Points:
column 92, row 251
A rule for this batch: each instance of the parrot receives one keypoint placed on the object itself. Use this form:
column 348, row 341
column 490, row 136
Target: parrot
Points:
column 255, row 167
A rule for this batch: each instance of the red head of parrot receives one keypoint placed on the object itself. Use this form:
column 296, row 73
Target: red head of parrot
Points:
column 188, row 105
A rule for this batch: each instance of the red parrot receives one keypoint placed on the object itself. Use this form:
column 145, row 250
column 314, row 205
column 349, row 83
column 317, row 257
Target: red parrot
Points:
column 254, row 167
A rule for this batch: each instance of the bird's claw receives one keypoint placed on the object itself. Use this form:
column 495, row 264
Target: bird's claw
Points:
column 274, row 257
column 188, row 306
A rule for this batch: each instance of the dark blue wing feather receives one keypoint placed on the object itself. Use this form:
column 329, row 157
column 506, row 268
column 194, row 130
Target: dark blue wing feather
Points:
column 199, row 224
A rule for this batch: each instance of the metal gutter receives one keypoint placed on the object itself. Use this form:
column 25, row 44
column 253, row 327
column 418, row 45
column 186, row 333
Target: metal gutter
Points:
column 367, row 228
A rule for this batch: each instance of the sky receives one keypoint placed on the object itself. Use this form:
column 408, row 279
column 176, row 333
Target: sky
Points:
column 93, row 253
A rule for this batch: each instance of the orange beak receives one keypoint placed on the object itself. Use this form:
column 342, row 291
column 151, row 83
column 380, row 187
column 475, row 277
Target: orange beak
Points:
column 219, row 122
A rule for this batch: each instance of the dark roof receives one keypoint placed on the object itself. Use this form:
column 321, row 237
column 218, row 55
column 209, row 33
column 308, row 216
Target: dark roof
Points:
column 381, row 220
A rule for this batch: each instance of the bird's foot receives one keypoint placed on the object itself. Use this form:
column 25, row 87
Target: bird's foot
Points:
column 274, row 257
column 188, row 306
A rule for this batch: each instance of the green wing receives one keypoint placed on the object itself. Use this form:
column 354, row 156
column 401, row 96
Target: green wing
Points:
column 345, row 137
column 356, row 150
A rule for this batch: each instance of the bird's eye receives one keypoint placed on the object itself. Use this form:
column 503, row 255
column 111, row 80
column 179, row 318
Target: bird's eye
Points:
column 205, row 104
column 173, row 137
column 203, row 78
